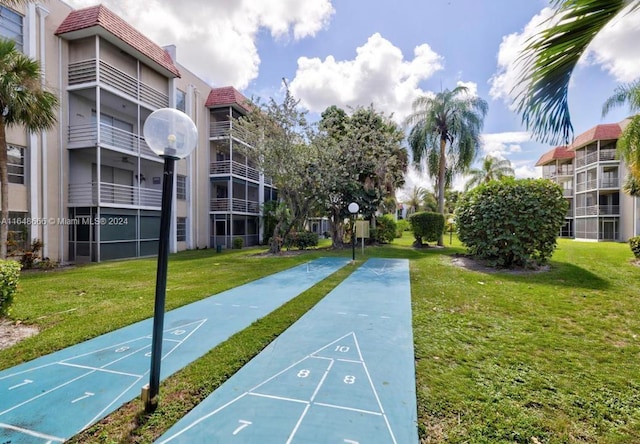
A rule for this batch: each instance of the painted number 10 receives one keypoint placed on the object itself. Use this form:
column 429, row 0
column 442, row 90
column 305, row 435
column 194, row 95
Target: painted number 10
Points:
column 342, row 348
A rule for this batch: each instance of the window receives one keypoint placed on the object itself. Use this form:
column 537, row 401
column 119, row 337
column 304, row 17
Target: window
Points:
column 18, row 233
column 181, row 187
column 15, row 163
column 11, row 26
column 181, row 229
column 181, row 100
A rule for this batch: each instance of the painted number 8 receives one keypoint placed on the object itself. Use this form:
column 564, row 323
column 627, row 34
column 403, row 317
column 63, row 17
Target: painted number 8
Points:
column 303, row 373
column 349, row 379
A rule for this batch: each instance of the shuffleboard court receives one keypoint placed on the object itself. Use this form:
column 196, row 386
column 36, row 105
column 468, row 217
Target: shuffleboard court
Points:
column 344, row 373
column 54, row 397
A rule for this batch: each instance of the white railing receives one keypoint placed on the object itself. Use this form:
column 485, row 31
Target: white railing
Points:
column 602, row 155
column 233, row 167
column 85, row 72
column 228, row 129
column 110, row 136
column 609, row 183
column 235, row 205
column 86, row 194
column 596, row 210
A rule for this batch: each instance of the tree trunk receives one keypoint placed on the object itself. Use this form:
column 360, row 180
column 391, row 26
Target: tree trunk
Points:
column 337, row 229
column 4, row 192
column 442, row 169
column 276, row 242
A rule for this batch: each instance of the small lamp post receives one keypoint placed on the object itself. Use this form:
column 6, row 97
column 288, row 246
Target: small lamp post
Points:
column 172, row 135
column 353, row 209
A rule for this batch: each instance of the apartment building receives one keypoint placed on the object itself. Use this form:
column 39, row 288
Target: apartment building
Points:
column 592, row 178
column 90, row 189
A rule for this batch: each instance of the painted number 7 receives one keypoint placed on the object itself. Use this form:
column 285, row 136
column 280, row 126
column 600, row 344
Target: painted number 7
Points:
column 242, row 425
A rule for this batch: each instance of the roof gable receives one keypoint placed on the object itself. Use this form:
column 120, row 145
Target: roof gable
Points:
column 227, row 96
column 606, row 131
column 100, row 16
column 557, row 153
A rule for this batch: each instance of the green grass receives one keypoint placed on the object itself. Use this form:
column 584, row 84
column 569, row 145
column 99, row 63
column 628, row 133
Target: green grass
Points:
column 550, row 357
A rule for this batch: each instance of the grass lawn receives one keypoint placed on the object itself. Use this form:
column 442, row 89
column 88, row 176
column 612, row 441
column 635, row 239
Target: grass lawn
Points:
column 550, row 357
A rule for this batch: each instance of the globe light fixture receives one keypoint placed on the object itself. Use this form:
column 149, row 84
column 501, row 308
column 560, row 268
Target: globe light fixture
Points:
column 353, row 209
column 172, row 135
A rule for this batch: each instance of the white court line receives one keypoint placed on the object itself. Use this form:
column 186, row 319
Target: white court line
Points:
column 279, row 398
column 31, row 432
column 202, row 418
column 99, row 369
column 324, row 376
column 297, row 426
column 342, row 407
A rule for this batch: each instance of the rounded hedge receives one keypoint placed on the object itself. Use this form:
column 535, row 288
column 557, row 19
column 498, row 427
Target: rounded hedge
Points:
column 427, row 226
column 512, row 222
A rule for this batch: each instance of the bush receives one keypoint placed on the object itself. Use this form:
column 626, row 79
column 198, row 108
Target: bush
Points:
column 512, row 222
column 634, row 243
column 402, row 225
column 386, row 228
column 427, row 226
column 9, row 277
column 301, row 240
column 238, row 243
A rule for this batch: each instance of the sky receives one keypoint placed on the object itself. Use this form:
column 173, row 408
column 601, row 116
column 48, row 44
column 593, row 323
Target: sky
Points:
column 353, row 53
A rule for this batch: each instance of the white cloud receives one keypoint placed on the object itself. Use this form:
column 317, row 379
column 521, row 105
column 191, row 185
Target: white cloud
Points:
column 378, row 74
column 414, row 178
column 616, row 48
column 472, row 87
column 217, row 38
column 524, row 169
column 500, row 145
column 505, row 82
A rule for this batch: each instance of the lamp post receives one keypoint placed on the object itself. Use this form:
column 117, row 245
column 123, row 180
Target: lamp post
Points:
column 353, row 209
column 172, row 135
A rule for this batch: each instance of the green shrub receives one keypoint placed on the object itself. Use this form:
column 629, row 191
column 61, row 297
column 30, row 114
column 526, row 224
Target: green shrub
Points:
column 238, row 243
column 402, row 225
column 634, row 243
column 427, row 226
column 386, row 228
column 512, row 222
column 301, row 240
column 9, row 276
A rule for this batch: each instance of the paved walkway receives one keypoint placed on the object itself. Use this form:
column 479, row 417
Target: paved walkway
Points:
column 344, row 373
column 54, row 397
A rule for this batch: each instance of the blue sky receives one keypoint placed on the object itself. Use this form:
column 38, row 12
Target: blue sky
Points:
column 358, row 52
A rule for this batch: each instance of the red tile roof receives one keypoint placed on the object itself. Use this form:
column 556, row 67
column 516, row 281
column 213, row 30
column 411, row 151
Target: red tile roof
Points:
column 559, row 152
column 99, row 16
column 607, row 131
column 227, row 96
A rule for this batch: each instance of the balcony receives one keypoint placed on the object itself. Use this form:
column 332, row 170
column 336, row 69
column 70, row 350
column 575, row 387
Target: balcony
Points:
column 86, row 195
column 235, row 205
column 602, row 155
column 227, row 129
column 610, row 183
column 86, row 72
column 588, row 185
column 227, row 167
column 83, row 136
column 598, row 210
column 567, row 192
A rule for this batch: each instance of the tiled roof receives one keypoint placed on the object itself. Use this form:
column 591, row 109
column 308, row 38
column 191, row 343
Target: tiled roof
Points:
column 227, row 96
column 109, row 21
column 559, row 152
column 607, row 131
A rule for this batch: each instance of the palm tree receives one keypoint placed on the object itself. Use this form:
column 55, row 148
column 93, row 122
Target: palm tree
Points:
column 628, row 145
column 415, row 200
column 551, row 56
column 450, row 118
column 492, row 169
column 22, row 102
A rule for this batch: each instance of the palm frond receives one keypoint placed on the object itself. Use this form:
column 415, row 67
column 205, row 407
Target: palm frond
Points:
column 549, row 60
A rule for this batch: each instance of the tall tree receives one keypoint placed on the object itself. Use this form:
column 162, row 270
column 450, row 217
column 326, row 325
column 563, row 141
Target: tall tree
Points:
column 549, row 59
column 22, row 102
column 414, row 202
column 446, row 127
column 280, row 136
column 492, row 169
column 363, row 161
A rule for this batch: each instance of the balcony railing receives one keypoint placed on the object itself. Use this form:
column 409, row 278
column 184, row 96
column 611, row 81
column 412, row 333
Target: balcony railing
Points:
column 110, row 136
column 228, row 129
column 597, row 210
column 235, row 205
column 610, row 183
column 85, row 72
column 588, row 185
column 602, row 155
column 232, row 167
column 86, row 194
column 567, row 192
